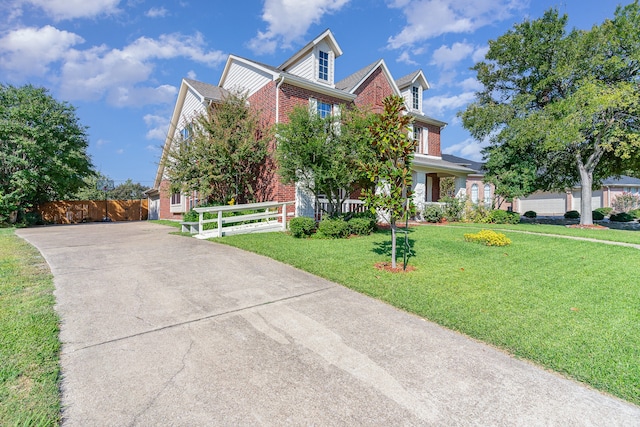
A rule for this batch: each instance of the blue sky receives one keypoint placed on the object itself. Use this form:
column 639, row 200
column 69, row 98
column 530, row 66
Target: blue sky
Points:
column 120, row 62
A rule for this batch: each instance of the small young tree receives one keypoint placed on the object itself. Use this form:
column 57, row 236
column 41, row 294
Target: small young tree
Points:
column 223, row 156
column 391, row 170
column 322, row 155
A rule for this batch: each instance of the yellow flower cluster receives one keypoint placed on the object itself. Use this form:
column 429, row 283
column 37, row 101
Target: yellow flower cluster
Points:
column 488, row 237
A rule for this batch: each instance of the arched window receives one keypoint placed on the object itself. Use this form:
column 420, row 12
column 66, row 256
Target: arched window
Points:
column 487, row 195
column 474, row 193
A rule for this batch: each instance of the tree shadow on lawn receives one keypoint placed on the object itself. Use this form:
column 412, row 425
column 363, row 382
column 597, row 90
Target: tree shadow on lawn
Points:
column 403, row 244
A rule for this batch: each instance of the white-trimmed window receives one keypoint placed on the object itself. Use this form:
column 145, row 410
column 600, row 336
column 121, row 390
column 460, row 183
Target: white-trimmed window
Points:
column 176, row 199
column 417, row 137
column 324, row 109
column 323, row 65
column 186, row 132
column 474, row 193
column 415, row 97
column 487, row 195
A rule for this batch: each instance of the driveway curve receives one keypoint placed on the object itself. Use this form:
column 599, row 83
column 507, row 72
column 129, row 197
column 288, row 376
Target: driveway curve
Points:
column 159, row 329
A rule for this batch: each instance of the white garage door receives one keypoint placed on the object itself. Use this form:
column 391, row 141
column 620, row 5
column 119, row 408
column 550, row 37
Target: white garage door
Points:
column 543, row 203
column 596, row 200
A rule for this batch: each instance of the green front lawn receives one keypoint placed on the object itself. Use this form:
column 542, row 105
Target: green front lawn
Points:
column 29, row 346
column 571, row 306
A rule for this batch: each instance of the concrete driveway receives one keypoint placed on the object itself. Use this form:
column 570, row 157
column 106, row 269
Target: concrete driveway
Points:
column 159, row 329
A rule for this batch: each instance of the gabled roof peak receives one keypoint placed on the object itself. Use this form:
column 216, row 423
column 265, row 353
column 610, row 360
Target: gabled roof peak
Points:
column 412, row 78
column 326, row 35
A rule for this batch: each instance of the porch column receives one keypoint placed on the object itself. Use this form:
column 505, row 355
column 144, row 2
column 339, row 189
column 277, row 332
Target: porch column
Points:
column 461, row 186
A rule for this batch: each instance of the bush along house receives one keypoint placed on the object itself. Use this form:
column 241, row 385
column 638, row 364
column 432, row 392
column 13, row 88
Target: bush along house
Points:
column 307, row 78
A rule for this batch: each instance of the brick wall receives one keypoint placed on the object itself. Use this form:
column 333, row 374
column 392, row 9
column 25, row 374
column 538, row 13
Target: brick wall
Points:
column 373, row 90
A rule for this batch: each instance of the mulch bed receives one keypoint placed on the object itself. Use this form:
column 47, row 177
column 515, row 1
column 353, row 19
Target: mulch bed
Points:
column 386, row 266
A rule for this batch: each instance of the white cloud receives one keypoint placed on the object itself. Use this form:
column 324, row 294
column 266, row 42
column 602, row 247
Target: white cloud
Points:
column 159, row 126
column 70, row 9
column 480, row 53
column 99, row 71
column 120, row 151
column 406, row 59
column 435, row 106
column 102, row 142
column 469, row 149
column 471, row 84
column 192, row 75
column 29, row 51
column 430, row 18
column 447, row 57
column 289, row 20
column 157, row 12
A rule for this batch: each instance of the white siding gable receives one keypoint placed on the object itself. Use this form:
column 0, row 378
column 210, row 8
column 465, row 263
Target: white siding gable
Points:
column 307, row 66
column 243, row 77
column 191, row 108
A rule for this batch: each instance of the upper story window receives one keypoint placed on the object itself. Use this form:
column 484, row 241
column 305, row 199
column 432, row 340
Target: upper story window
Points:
column 324, row 109
column 186, row 132
column 417, row 137
column 415, row 97
column 323, row 65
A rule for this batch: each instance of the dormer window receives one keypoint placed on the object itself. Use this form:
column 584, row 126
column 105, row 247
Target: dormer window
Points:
column 415, row 97
column 323, row 65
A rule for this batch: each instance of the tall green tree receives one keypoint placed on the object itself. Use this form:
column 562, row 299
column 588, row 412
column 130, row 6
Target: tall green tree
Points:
column 90, row 190
column 128, row 190
column 322, row 155
column 43, row 150
column 391, row 170
column 223, row 155
column 560, row 107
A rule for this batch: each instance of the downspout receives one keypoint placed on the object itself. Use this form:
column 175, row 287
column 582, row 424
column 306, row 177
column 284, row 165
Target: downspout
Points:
column 278, row 97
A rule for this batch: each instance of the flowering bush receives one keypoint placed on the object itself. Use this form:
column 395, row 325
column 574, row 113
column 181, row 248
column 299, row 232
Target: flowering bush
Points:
column 626, row 202
column 488, row 237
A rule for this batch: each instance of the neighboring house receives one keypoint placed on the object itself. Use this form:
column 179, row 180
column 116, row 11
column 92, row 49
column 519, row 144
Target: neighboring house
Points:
column 556, row 204
column 308, row 78
column 542, row 202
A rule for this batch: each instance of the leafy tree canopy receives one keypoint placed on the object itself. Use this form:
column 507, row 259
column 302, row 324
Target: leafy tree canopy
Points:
column 223, row 155
column 42, row 150
column 322, row 155
column 558, row 107
column 127, row 190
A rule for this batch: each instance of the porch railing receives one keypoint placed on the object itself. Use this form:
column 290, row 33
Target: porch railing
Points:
column 348, row 206
column 271, row 216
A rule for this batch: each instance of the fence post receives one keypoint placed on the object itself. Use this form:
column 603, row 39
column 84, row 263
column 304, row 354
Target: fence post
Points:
column 219, row 223
column 200, row 224
column 284, row 217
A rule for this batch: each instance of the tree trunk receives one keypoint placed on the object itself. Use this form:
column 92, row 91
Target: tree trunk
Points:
column 586, row 181
column 393, row 242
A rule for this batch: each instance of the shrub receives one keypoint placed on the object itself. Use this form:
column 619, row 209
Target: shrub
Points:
column 604, row 211
column 530, row 214
column 432, row 213
column 476, row 213
column 302, row 226
column 453, row 208
column 626, row 202
column 597, row 216
column 333, row 228
column 488, row 237
column 572, row 215
column 498, row 216
column 360, row 226
column 621, row 217
column 635, row 213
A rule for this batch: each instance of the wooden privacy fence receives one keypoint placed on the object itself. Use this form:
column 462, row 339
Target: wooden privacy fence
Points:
column 72, row 212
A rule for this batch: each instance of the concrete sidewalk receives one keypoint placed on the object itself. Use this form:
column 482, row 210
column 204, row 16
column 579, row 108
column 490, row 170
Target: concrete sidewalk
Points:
column 159, row 329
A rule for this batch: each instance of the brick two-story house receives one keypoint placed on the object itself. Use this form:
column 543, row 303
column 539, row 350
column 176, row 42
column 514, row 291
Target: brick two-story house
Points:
column 308, row 78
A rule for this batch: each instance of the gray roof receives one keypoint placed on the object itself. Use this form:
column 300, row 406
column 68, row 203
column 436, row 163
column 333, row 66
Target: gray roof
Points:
column 406, row 80
column 348, row 83
column 623, row 180
column 440, row 164
column 478, row 167
column 209, row 91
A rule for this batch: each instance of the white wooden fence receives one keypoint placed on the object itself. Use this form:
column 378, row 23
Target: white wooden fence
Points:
column 267, row 220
